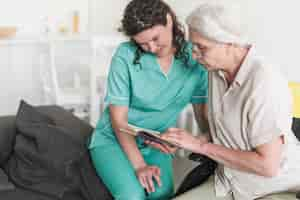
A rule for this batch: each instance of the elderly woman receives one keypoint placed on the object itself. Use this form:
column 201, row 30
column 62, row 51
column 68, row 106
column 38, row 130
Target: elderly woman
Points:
column 249, row 113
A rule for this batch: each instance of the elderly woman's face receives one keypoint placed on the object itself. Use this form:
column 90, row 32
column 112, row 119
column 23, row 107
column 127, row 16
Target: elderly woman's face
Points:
column 205, row 51
column 157, row 40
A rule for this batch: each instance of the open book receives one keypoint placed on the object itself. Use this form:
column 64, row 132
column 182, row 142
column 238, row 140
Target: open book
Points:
column 147, row 134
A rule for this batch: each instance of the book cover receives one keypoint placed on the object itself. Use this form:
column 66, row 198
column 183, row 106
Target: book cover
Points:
column 147, row 134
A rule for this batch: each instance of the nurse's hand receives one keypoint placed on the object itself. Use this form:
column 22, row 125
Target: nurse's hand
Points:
column 146, row 174
column 185, row 139
column 163, row 148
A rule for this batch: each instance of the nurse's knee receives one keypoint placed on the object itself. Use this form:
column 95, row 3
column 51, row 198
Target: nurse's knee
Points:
column 164, row 192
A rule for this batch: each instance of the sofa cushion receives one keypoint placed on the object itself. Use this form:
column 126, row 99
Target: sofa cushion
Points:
column 7, row 137
column 196, row 194
column 92, row 186
column 19, row 194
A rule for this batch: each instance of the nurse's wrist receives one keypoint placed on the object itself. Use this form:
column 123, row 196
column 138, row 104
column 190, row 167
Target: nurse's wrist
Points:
column 139, row 165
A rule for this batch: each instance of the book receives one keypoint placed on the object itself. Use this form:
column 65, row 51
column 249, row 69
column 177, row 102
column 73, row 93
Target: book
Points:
column 147, row 134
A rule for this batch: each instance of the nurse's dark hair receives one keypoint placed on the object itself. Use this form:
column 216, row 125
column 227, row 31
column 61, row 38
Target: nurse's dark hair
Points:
column 140, row 15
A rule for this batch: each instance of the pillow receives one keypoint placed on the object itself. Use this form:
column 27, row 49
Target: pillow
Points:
column 78, row 129
column 45, row 156
column 70, row 132
column 8, row 128
column 27, row 113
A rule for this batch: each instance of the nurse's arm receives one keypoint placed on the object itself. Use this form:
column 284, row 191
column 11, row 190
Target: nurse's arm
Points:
column 201, row 116
column 119, row 119
column 264, row 160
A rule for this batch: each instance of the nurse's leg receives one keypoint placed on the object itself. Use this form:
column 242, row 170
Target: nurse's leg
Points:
column 117, row 172
column 164, row 162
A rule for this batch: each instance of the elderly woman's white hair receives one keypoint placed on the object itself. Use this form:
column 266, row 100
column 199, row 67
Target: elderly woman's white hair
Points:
column 223, row 21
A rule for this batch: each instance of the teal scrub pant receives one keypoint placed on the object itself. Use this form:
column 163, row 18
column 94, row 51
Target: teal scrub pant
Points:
column 118, row 174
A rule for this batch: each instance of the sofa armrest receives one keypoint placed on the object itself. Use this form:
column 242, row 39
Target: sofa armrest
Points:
column 198, row 157
column 5, row 184
column 7, row 137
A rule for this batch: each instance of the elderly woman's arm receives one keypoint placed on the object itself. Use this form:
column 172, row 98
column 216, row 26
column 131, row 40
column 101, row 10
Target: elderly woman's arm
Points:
column 201, row 116
column 264, row 160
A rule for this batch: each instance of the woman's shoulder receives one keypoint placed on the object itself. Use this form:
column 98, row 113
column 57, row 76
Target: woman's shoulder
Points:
column 267, row 77
column 265, row 71
column 126, row 50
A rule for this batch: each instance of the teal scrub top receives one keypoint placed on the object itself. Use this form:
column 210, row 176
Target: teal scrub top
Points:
column 154, row 99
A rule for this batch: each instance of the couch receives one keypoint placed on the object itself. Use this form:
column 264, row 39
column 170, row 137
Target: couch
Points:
column 43, row 156
column 86, row 185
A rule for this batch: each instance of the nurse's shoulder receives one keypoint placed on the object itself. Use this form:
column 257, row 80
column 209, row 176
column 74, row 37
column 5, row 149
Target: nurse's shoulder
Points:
column 126, row 51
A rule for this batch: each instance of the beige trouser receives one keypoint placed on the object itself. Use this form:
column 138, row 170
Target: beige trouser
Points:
column 206, row 191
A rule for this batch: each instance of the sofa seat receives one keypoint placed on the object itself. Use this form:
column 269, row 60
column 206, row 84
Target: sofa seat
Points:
column 195, row 194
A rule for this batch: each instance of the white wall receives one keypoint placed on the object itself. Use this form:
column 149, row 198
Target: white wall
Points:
column 19, row 76
column 277, row 21
column 277, row 36
column 29, row 15
column 277, row 33
column 106, row 15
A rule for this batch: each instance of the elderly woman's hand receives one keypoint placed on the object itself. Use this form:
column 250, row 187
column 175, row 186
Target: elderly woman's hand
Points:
column 163, row 148
column 185, row 139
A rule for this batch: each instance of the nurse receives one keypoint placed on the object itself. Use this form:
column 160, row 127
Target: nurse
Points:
column 151, row 79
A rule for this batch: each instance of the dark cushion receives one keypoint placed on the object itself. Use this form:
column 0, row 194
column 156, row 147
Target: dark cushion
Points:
column 42, row 119
column 45, row 154
column 296, row 127
column 78, row 129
